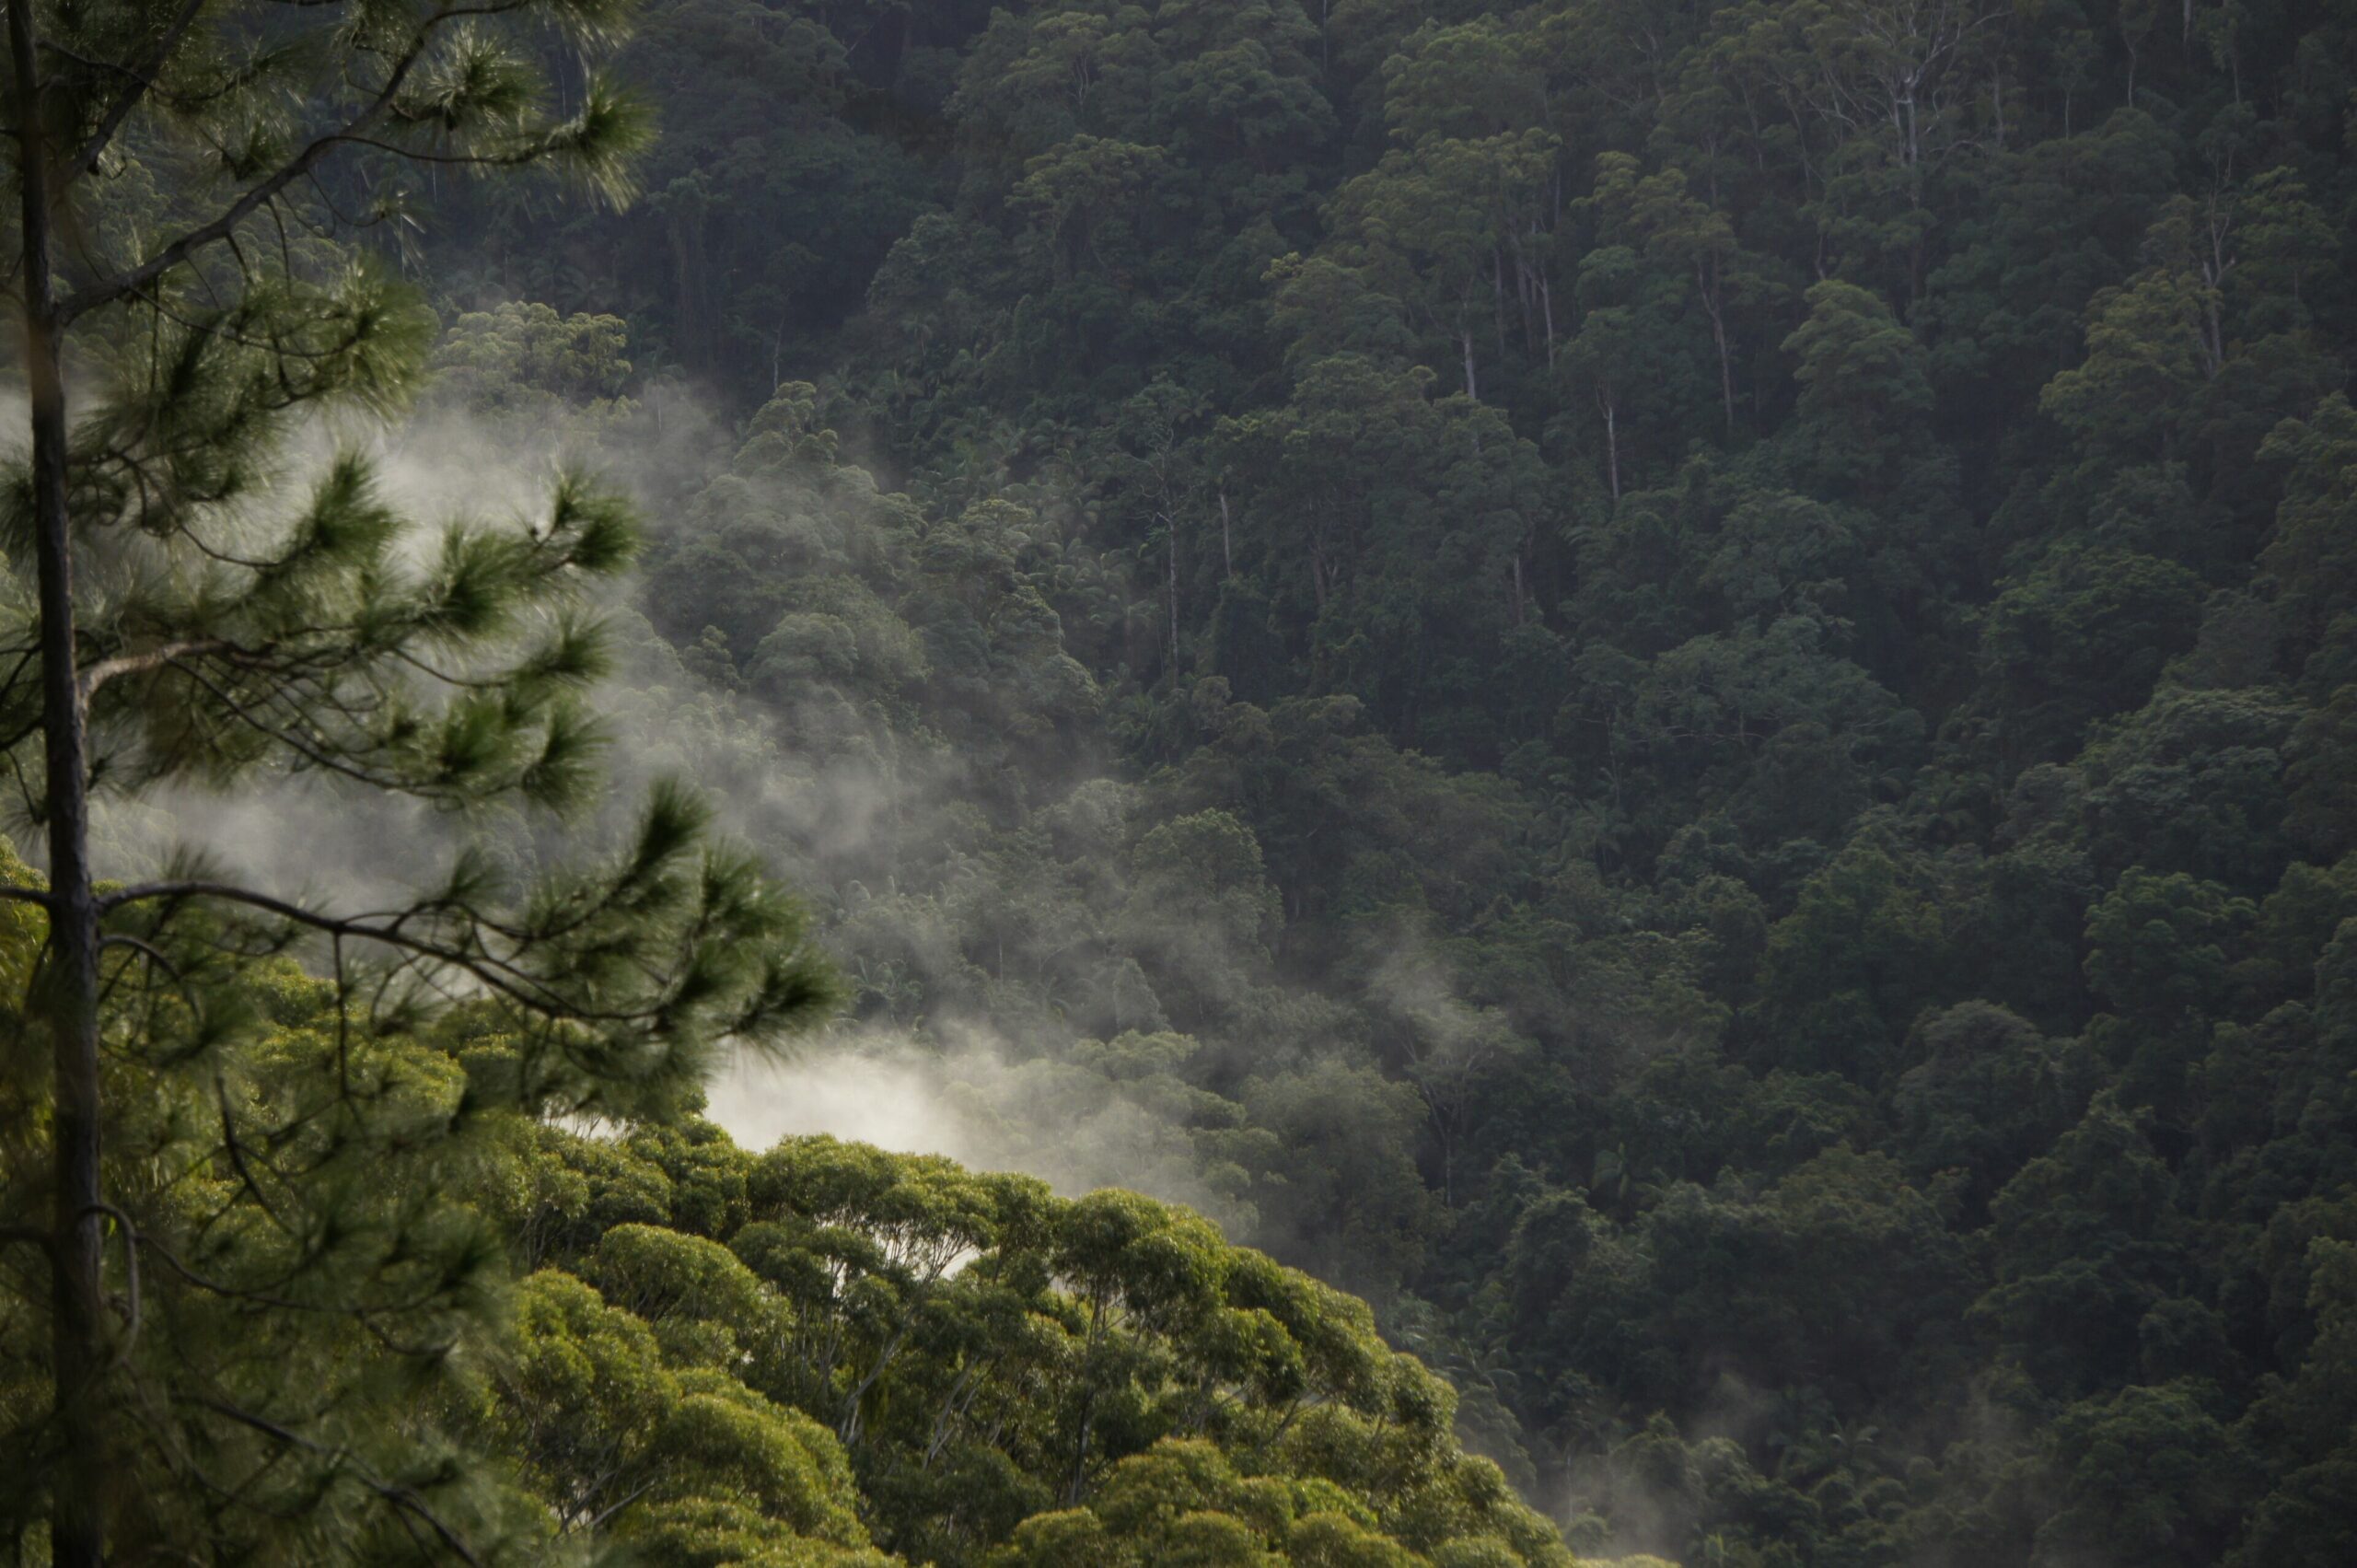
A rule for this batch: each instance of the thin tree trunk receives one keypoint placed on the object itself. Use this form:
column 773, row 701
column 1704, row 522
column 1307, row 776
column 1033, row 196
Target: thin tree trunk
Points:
column 1075, row 1488
column 1226, row 542
column 1612, row 447
column 69, row 982
column 1711, row 305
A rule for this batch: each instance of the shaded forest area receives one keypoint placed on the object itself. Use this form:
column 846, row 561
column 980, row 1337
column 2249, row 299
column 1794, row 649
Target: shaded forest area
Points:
column 1669, row 687
column 1679, row 676
column 1726, row 637
column 1752, row 605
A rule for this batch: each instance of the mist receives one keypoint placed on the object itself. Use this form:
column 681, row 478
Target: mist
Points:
column 973, row 1069
column 973, row 1102
column 1054, row 967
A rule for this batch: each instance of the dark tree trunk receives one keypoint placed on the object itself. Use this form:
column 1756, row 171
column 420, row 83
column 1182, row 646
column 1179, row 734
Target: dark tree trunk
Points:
column 69, row 980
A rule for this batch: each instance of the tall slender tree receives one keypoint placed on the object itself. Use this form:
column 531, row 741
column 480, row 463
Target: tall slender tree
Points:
column 187, row 173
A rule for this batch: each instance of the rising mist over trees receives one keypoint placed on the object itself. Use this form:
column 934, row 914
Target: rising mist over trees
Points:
column 1670, row 688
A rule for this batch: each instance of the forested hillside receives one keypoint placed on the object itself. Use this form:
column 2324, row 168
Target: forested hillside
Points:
column 1669, row 687
column 823, row 1357
column 1674, row 682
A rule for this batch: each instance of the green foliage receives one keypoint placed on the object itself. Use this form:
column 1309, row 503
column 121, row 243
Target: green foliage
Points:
column 1754, row 847
column 961, row 1363
column 248, row 1309
column 1666, row 688
column 525, row 361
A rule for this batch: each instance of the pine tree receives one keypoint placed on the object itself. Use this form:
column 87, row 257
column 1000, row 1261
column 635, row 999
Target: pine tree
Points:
column 249, row 1276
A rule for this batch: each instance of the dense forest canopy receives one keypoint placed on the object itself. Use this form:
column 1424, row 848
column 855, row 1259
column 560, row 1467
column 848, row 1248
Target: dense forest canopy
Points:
column 1669, row 688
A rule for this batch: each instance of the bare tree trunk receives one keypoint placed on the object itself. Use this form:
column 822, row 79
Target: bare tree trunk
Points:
column 1711, row 306
column 69, row 979
column 1612, row 447
column 1226, row 540
column 1464, row 336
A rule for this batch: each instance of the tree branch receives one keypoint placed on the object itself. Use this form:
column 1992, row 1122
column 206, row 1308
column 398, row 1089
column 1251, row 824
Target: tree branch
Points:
column 403, row 1499
column 112, row 289
column 498, row 974
column 99, row 674
column 143, row 76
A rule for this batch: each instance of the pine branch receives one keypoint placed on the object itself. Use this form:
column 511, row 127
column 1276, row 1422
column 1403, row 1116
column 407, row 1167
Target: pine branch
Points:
column 403, row 1499
column 142, row 78
column 107, row 669
column 506, row 979
column 90, row 298
column 497, row 974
